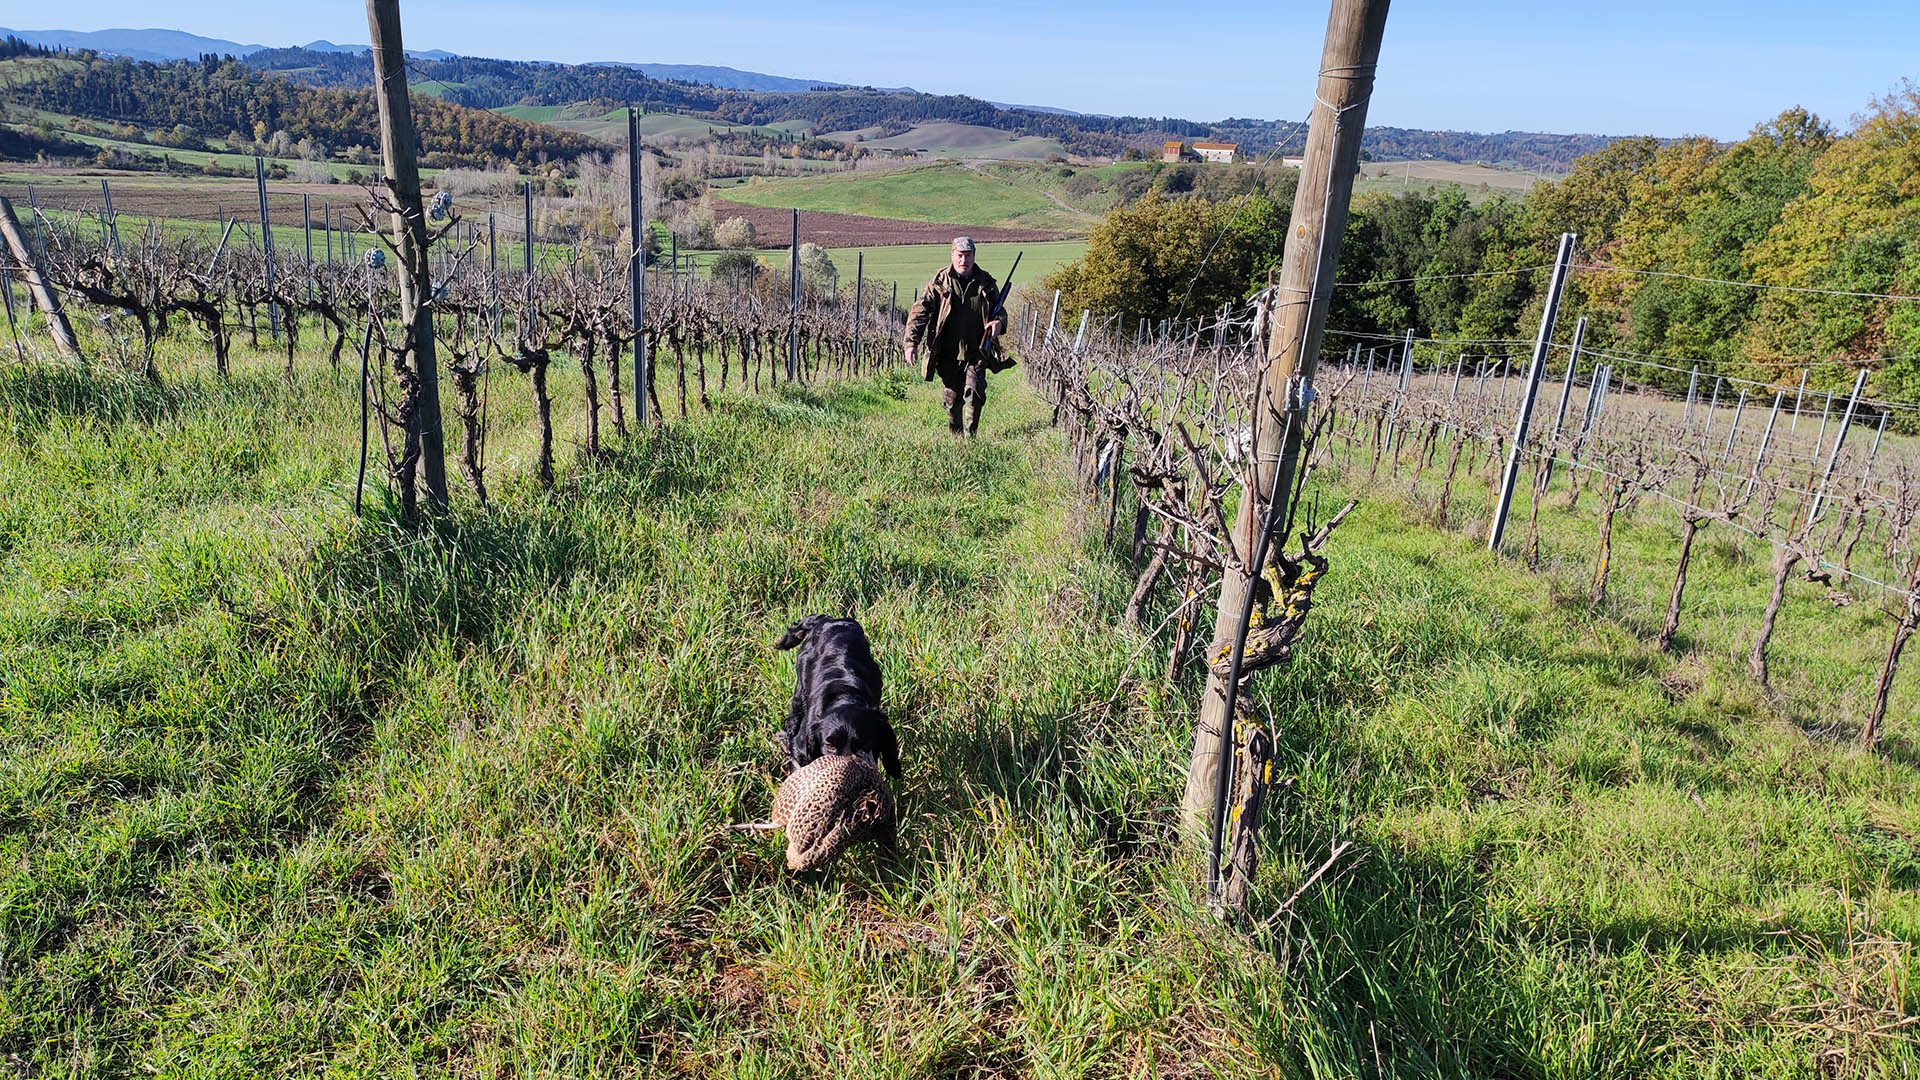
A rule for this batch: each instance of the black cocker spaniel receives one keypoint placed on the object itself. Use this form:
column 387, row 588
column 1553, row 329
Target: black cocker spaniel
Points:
column 836, row 696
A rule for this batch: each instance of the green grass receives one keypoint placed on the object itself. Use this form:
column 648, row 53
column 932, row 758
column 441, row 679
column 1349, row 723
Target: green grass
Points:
column 952, row 140
column 611, row 125
column 286, row 792
column 945, row 193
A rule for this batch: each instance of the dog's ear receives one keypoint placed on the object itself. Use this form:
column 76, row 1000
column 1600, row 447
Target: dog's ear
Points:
column 798, row 632
column 889, row 748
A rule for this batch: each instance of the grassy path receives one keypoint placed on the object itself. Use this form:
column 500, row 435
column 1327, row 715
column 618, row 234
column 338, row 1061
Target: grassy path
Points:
column 285, row 793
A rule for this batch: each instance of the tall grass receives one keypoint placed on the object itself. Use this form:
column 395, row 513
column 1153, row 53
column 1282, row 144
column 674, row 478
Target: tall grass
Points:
column 286, row 792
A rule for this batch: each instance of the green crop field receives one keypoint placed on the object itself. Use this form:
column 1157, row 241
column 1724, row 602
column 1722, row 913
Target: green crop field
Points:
column 955, row 140
column 910, row 265
column 287, row 792
column 944, row 193
column 610, row 126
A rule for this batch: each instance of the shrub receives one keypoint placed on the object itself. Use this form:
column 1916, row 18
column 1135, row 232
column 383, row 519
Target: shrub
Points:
column 734, row 264
column 735, row 233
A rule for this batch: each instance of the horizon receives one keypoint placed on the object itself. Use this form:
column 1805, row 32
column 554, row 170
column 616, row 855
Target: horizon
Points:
column 1716, row 83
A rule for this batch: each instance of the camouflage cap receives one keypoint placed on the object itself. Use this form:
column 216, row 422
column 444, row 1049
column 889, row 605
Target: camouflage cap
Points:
column 963, row 243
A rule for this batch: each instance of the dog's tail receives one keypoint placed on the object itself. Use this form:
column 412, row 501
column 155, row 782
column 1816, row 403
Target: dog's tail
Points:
column 798, row 632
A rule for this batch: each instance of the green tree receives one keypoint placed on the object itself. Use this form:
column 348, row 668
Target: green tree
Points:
column 816, row 266
column 1166, row 258
column 734, row 265
column 1703, row 213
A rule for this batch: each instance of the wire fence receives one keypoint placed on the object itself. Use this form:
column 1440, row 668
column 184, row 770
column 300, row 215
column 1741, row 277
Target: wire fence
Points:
column 1160, row 417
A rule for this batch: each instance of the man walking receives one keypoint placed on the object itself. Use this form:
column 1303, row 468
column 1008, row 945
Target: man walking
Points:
column 947, row 331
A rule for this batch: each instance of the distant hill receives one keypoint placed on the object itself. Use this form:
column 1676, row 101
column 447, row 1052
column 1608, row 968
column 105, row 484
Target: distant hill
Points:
column 161, row 46
column 323, row 45
column 731, row 96
column 155, row 45
column 725, row 78
column 191, row 102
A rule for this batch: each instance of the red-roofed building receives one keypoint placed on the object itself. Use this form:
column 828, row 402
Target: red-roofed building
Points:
column 1216, row 151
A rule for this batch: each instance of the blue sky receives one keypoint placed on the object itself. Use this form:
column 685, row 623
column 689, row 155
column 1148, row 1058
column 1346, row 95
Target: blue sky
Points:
column 1677, row 67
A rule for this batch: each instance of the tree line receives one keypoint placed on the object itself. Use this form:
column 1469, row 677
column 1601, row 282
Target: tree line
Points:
column 1796, row 249
column 490, row 84
column 214, row 96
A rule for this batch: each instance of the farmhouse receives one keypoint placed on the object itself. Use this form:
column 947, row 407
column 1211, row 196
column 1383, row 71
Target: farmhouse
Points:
column 1173, row 151
column 1216, row 151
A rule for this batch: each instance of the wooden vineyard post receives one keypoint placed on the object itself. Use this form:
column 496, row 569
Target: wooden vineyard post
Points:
column 637, row 273
column 1541, row 342
column 397, row 149
column 1318, row 223
column 859, row 301
column 793, row 316
column 43, row 295
column 306, row 223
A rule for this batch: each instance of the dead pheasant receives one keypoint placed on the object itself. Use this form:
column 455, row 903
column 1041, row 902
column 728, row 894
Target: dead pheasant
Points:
column 828, row 806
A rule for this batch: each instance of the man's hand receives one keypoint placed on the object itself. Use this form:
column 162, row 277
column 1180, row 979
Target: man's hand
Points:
column 926, row 370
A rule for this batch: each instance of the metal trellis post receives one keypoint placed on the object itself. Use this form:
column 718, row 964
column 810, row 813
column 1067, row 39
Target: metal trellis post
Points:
column 1541, row 343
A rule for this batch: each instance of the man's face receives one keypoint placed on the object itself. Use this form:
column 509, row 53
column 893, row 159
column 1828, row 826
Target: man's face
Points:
column 963, row 262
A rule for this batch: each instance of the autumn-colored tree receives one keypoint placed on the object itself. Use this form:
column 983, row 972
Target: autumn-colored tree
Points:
column 1856, row 228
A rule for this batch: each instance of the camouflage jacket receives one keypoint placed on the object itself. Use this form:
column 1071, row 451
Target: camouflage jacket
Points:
column 949, row 317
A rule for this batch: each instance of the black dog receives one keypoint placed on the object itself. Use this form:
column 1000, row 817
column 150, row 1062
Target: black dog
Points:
column 836, row 696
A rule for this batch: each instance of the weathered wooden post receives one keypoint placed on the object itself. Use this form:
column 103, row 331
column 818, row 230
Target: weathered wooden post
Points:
column 397, row 148
column 793, row 319
column 859, row 302
column 637, row 274
column 28, row 267
column 1318, row 224
column 306, row 222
